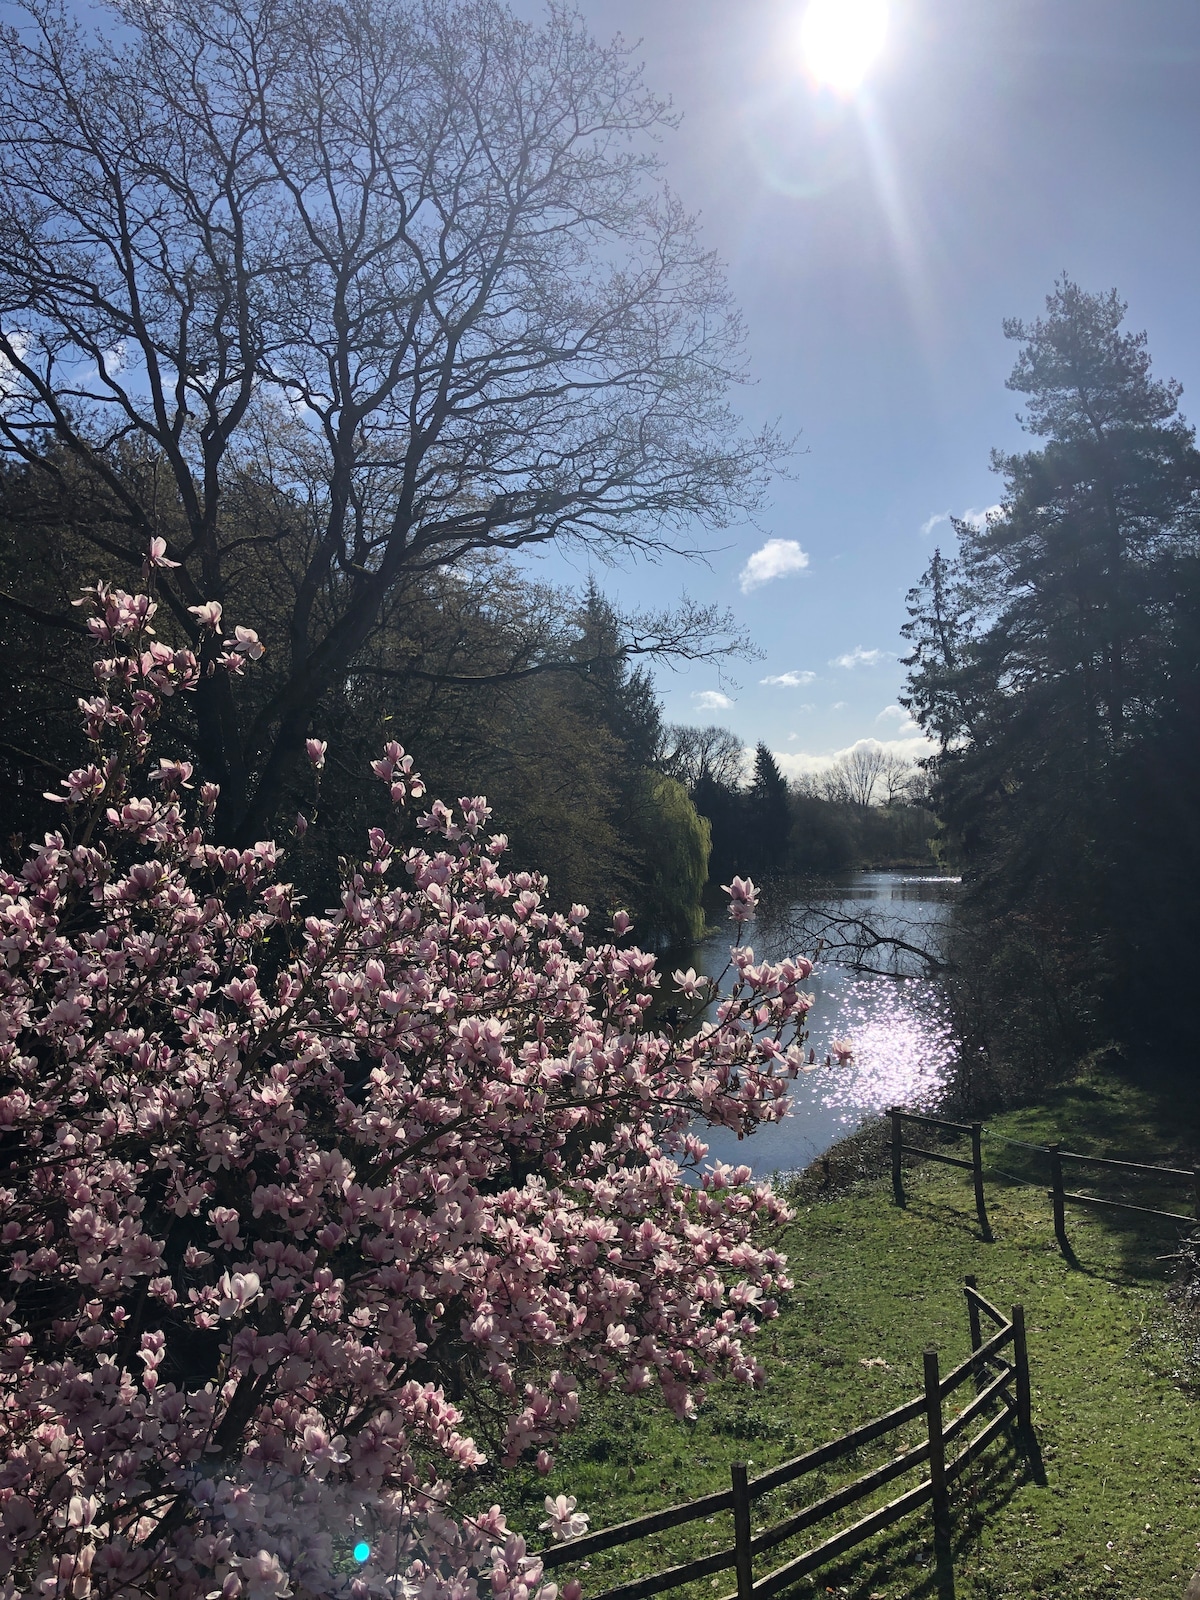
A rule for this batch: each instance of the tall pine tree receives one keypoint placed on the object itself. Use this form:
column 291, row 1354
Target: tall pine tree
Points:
column 768, row 815
column 1042, row 651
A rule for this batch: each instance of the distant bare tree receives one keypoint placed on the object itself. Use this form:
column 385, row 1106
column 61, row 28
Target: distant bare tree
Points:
column 897, row 779
column 689, row 754
column 854, row 777
column 386, row 282
column 920, row 788
column 832, row 785
column 864, row 776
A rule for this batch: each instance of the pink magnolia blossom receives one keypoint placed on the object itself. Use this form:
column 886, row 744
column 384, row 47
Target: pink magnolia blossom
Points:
column 395, row 767
column 172, row 774
column 743, row 899
column 245, row 642
column 157, row 556
column 843, row 1051
column 238, row 1292
column 691, row 984
column 208, row 615
column 263, row 1576
column 315, row 749
column 563, row 1521
column 278, row 1183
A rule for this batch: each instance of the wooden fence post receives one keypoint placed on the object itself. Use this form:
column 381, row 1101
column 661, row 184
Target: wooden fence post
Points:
column 1021, row 1362
column 744, row 1561
column 1060, row 1204
column 977, row 1174
column 897, row 1172
column 976, row 1332
column 937, row 1456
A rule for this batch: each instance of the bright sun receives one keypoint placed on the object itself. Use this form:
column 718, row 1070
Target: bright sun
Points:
column 841, row 39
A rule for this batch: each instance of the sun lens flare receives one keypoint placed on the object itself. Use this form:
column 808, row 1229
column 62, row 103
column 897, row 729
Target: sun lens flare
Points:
column 840, row 40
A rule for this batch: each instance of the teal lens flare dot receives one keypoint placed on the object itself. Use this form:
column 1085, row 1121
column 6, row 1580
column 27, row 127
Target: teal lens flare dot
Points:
column 362, row 1551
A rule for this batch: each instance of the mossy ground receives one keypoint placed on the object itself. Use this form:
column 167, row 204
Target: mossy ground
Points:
column 1116, row 1515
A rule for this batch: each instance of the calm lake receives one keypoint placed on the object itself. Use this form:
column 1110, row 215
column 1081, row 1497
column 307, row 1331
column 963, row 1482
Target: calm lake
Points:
column 903, row 1043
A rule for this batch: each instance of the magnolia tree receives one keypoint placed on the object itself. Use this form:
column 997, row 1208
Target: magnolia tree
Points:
column 305, row 1217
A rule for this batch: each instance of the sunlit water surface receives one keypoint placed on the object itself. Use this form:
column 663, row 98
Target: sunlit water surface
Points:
column 903, row 1041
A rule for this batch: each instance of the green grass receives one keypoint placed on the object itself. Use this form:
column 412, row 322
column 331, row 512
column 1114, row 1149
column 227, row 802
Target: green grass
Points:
column 1118, row 1515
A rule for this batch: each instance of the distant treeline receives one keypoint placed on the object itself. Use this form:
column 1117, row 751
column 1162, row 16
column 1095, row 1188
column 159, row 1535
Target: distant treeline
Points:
column 868, row 809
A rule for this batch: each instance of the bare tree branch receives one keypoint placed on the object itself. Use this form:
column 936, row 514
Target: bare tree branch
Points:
column 884, row 946
column 49, row 619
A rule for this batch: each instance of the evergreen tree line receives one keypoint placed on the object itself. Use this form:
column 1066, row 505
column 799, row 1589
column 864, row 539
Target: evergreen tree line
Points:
column 1055, row 659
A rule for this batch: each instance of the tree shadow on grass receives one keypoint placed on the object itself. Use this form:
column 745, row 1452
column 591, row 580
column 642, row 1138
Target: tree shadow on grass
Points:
column 1146, row 1112
column 1124, row 1251
column 1119, row 1247
column 907, row 1551
column 1138, row 1247
column 1168, row 1106
column 944, row 1213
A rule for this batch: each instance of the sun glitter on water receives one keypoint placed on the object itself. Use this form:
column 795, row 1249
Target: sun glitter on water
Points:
column 840, row 41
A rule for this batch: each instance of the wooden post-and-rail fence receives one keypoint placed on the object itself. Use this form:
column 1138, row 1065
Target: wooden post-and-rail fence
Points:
column 997, row 1380
column 1059, row 1194
column 973, row 1130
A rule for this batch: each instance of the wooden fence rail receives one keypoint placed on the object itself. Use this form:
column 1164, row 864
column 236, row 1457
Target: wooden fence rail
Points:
column 997, row 1382
column 1059, row 1194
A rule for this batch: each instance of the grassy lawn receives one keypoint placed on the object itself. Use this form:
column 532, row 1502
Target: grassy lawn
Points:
column 1118, row 1515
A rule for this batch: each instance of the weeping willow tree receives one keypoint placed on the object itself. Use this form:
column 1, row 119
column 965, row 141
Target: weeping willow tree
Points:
column 678, row 863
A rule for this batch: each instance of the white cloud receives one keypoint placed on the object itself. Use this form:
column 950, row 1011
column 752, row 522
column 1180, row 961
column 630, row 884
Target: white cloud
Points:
column 976, row 515
column 115, row 359
column 904, row 722
column 711, row 700
column 838, row 705
column 979, row 517
column 858, row 657
column 776, row 559
column 790, row 680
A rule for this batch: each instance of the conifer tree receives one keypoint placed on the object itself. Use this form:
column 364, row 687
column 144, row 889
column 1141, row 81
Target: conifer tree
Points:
column 1042, row 650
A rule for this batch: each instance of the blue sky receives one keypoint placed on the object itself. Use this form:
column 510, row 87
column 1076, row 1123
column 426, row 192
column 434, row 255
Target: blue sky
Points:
column 875, row 245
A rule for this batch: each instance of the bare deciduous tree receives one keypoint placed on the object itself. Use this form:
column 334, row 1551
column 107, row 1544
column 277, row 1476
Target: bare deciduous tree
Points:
column 884, row 943
column 401, row 277
column 690, row 753
column 866, row 775
column 898, row 779
column 856, row 775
